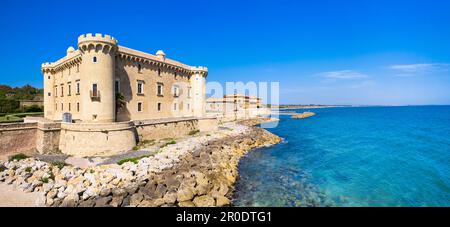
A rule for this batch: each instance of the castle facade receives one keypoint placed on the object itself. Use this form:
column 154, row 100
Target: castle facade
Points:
column 103, row 82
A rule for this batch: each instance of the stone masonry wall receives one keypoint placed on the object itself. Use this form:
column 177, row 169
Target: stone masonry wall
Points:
column 17, row 138
column 94, row 139
column 47, row 137
column 163, row 129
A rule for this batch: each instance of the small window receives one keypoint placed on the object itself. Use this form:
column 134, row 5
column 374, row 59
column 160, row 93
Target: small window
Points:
column 117, row 87
column 139, row 68
column 159, row 72
column 56, row 106
column 175, row 75
column 94, row 59
column 62, row 106
column 70, row 90
column 140, row 87
column 94, row 90
column 78, row 107
column 175, row 106
column 189, row 92
column 139, row 106
column 78, row 88
column 48, row 77
column 62, row 90
column 78, row 68
column 160, row 89
column 49, row 94
column 159, row 106
column 188, row 106
column 70, row 106
column 176, row 91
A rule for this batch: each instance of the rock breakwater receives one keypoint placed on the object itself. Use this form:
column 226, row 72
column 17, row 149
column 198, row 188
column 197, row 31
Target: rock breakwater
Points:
column 303, row 115
column 200, row 172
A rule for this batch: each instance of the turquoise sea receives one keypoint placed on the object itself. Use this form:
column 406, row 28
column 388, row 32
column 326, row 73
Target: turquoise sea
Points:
column 368, row 156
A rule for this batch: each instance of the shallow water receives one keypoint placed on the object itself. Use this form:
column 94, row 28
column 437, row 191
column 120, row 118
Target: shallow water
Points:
column 374, row 156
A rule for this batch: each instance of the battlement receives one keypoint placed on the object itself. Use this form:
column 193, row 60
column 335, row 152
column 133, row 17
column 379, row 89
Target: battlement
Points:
column 200, row 69
column 97, row 38
column 47, row 66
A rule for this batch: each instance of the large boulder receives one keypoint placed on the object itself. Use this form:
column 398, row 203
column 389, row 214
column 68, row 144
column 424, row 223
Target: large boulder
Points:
column 204, row 201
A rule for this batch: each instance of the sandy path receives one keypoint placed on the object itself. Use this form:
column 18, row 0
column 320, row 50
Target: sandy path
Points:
column 10, row 197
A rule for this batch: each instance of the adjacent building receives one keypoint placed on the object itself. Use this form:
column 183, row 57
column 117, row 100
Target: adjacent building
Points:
column 103, row 82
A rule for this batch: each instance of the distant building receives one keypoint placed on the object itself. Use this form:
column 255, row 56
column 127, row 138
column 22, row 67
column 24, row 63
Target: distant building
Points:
column 37, row 101
column 234, row 107
column 87, row 81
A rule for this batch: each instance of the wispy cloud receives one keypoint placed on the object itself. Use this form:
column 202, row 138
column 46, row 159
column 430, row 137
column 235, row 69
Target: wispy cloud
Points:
column 343, row 75
column 418, row 68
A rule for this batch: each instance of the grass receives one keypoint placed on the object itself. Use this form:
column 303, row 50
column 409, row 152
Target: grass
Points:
column 18, row 157
column 59, row 164
column 194, row 132
column 18, row 117
column 133, row 160
column 171, row 142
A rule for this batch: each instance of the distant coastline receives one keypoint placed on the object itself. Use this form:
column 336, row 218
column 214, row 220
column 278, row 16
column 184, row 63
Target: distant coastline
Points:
column 313, row 106
column 307, row 106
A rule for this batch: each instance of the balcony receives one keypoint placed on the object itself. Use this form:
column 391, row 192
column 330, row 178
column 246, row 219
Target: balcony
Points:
column 95, row 95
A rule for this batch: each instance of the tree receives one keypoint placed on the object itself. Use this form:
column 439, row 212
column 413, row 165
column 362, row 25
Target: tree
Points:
column 120, row 102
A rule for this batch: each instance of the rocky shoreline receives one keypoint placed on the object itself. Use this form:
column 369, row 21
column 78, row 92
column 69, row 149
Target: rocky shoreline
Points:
column 197, row 172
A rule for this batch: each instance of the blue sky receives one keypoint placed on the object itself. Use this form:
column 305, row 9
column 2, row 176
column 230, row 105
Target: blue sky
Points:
column 323, row 52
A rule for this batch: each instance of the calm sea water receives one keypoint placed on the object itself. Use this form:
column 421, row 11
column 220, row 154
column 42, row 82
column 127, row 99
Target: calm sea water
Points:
column 375, row 156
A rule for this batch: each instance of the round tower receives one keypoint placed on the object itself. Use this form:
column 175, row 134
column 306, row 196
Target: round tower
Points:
column 198, row 85
column 49, row 100
column 97, row 74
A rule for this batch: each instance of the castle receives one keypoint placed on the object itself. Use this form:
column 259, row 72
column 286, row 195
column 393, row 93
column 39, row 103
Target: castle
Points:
column 104, row 82
column 104, row 99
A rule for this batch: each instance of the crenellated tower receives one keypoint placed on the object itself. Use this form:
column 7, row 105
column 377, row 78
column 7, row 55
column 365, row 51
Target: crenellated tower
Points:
column 97, row 73
column 198, row 85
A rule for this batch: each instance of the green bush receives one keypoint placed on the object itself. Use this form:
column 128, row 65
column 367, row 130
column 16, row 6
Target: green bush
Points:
column 169, row 143
column 194, row 132
column 44, row 180
column 18, row 157
column 59, row 164
column 28, row 169
column 33, row 109
column 133, row 160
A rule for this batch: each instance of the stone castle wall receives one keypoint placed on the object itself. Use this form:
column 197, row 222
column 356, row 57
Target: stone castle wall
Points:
column 17, row 138
column 88, row 139
column 48, row 137
column 104, row 139
column 163, row 129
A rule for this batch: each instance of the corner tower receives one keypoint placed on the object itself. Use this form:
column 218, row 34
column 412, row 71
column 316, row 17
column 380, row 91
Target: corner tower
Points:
column 97, row 73
column 49, row 83
column 198, row 85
